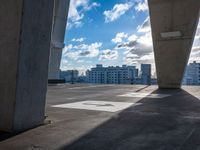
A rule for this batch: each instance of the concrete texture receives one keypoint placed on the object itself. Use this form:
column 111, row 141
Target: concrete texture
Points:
column 172, row 52
column 166, row 123
column 57, row 42
column 25, row 30
column 9, row 42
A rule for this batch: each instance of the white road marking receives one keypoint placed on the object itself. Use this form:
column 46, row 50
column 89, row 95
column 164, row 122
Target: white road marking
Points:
column 142, row 95
column 107, row 106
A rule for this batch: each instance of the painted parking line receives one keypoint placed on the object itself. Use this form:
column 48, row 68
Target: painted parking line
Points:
column 96, row 105
column 142, row 95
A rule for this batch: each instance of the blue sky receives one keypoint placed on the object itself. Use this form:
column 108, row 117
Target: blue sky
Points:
column 110, row 32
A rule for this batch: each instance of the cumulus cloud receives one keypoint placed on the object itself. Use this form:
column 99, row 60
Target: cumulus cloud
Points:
column 128, row 44
column 197, row 37
column 77, row 10
column 81, row 51
column 146, row 39
column 145, row 27
column 78, row 39
column 138, row 47
column 66, row 48
column 108, row 55
column 142, row 6
column 133, row 37
column 136, row 59
column 142, row 46
column 195, row 53
column 119, row 37
column 92, row 5
column 81, row 61
column 195, row 48
column 117, row 11
column 64, row 64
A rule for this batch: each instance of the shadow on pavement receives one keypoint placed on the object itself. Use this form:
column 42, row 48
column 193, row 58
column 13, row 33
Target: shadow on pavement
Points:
column 170, row 123
column 5, row 135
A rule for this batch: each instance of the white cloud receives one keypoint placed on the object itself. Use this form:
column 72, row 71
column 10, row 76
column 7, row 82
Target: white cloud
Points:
column 77, row 10
column 93, row 5
column 195, row 53
column 81, row 61
column 108, row 55
column 81, row 51
column 130, row 59
column 142, row 6
column 132, row 37
column 78, row 40
column 148, row 57
column 196, row 48
column 197, row 37
column 119, row 37
column 66, row 48
column 74, row 14
column 64, row 64
column 138, row 47
column 117, row 11
column 146, row 39
column 145, row 27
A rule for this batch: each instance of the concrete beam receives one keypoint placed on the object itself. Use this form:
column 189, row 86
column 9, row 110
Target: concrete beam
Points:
column 173, row 24
column 25, row 34
column 57, row 41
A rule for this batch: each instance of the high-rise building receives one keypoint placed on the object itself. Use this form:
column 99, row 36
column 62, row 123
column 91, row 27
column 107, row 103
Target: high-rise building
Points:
column 192, row 74
column 112, row 75
column 146, row 74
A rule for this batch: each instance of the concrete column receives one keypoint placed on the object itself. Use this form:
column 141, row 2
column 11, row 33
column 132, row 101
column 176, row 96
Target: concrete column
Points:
column 174, row 24
column 57, row 41
column 25, row 34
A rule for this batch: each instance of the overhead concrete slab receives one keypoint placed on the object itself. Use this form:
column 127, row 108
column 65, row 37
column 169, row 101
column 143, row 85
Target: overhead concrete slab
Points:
column 173, row 24
column 61, row 8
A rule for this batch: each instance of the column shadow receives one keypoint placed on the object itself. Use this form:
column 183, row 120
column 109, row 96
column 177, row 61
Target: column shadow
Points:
column 170, row 123
column 5, row 135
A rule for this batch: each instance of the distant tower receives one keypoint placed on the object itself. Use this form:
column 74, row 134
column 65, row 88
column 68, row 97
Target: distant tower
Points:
column 192, row 74
column 146, row 74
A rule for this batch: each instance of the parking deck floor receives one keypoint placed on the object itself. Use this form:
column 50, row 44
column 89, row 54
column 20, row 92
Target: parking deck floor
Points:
column 114, row 117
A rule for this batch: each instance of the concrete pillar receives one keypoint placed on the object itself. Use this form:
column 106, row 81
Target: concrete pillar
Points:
column 25, row 34
column 174, row 24
column 57, row 41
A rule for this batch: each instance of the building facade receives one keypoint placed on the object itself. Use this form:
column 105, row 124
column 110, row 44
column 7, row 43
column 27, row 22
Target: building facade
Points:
column 192, row 74
column 146, row 74
column 70, row 76
column 112, row 75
